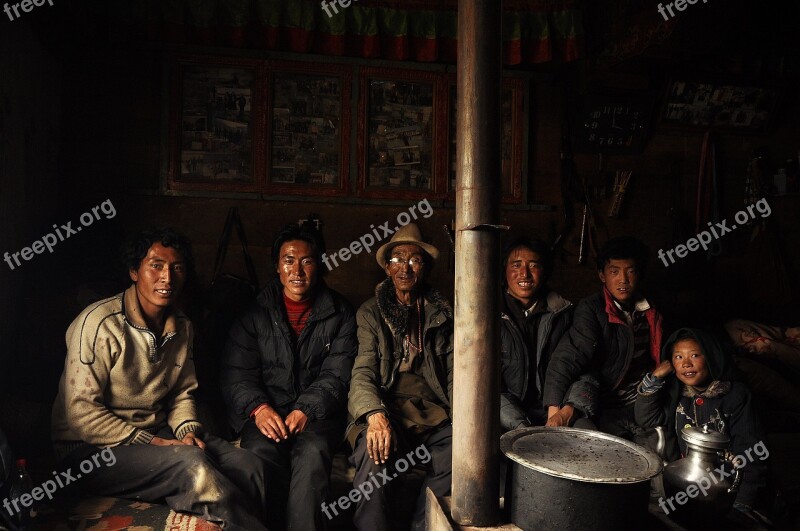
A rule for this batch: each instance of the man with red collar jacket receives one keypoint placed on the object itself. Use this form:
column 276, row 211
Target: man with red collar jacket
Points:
column 616, row 336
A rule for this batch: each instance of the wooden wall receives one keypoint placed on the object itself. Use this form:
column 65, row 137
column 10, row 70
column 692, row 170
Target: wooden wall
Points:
column 120, row 159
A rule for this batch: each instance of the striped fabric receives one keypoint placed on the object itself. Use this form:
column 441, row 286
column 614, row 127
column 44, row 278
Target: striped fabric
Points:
column 297, row 313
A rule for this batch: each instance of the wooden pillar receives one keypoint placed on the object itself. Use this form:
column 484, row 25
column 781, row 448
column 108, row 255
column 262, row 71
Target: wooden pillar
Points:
column 476, row 409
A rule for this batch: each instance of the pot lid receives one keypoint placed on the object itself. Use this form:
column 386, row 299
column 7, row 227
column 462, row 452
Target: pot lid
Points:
column 705, row 438
column 583, row 455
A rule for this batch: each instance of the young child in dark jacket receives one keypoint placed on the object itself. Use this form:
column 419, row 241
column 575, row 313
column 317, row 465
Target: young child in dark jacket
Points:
column 703, row 392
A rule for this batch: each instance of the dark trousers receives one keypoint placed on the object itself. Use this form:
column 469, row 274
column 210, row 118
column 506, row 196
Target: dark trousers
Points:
column 221, row 484
column 373, row 514
column 619, row 422
column 299, row 472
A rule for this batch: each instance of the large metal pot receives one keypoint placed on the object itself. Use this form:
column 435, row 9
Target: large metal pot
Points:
column 570, row 478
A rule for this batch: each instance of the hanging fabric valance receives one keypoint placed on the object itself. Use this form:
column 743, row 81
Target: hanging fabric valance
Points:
column 534, row 31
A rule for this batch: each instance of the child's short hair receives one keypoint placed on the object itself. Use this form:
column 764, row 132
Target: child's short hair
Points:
column 624, row 248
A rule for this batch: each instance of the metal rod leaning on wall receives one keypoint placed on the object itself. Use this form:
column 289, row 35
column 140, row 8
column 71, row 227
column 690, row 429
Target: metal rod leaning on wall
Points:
column 476, row 402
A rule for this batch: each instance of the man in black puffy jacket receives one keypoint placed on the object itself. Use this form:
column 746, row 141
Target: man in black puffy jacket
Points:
column 533, row 317
column 285, row 376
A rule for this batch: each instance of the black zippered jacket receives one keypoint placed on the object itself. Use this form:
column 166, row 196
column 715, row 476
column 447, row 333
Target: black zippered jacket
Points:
column 599, row 342
column 517, row 362
column 263, row 363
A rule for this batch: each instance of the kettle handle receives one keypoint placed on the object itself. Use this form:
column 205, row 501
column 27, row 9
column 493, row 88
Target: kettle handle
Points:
column 661, row 444
column 738, row 473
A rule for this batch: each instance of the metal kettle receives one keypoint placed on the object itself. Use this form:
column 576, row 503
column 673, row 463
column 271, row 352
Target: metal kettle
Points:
column 700, row 486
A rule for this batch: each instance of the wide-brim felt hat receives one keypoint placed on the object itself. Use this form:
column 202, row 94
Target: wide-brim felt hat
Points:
column 407, row 235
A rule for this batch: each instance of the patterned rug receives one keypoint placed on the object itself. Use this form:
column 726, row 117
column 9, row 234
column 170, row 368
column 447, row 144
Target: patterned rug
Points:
column 111, row 514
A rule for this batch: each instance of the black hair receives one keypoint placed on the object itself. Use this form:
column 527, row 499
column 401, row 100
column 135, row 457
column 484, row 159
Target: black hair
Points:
column 135, row 249
column 306, row 233
column 534, row 244
column 624, row 248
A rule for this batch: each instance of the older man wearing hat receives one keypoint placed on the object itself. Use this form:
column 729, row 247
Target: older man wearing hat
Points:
column 402, row 381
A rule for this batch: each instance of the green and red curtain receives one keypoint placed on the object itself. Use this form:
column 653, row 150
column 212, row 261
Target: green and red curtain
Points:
column 534, row 31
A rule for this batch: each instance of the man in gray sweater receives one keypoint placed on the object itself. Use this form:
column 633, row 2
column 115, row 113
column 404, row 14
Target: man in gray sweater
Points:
column 128, row 386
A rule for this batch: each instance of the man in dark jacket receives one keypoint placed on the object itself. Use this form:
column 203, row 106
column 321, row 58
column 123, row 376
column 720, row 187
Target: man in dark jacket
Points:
column 285, row 374
column 534, row 318
column 402, row 386
column 616, row 336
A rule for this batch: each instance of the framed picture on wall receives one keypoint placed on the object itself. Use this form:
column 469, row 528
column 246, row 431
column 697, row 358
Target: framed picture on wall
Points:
column 215, row 123
column 398, row 139
column 716, row 105
column 512, row 133
column 309, row 129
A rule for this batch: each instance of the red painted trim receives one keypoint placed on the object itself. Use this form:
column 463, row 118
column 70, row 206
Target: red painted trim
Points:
column 394, row 48
column 297, row 39
column 425, row 49
column 329, row 44
column 205, row 36
column 367, row 46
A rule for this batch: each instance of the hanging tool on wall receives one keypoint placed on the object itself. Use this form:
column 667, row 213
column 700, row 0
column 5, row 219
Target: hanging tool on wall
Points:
column 753, row 184
column 588, row 225
column 584, row 230
column 572, row 191
column 568, row 179
column 707, row 206
column 621, row 180
column 451, row 235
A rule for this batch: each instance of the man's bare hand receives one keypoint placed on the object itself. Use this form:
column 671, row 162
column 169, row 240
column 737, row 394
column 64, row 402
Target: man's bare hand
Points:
column 561, row 417
column 190, row 439
column 296, row 422
column 158, row 441
column 379, row 438
column 664, row 369
column 551, row 410
column 271, row 424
